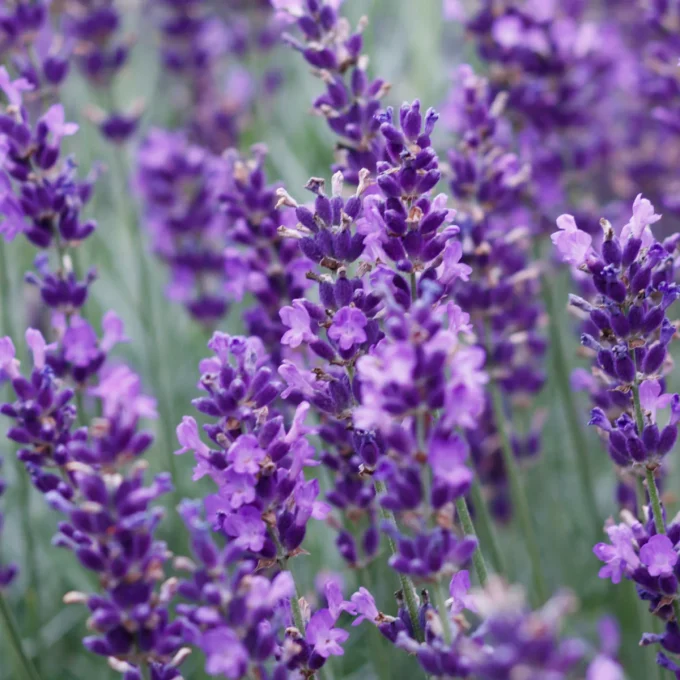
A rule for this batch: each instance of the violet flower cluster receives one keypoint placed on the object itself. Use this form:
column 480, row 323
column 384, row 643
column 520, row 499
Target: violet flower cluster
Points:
column 554, row 63
column 488, row 183
column 27, row 38
column 203, row 45
column 374, row 318
column 178, row 183
column 648, row 143
column 351, row 99
column 634, row 276
column 258, row 261
column 91, row 474
column 210, row 212
column 262, row 507
column 496, row 636
column 94, row 28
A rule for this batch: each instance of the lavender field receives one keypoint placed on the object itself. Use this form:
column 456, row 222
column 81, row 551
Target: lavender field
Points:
column 337, row 338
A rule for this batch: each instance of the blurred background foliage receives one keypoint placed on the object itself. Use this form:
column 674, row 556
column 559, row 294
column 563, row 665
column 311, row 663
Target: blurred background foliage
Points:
column 413, row 49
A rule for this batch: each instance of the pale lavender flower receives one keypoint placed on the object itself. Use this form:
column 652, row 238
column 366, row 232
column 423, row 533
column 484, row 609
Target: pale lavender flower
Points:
column 659, row 556
column 620, row 556
column 572, row 244
column 296, row 319
column 459, row 590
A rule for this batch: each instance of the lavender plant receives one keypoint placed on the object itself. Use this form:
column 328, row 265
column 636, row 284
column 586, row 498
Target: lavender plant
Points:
column 386, row 395
column 633, row 275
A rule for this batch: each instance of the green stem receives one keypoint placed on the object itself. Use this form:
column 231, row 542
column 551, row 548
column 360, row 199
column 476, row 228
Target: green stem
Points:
column 641, row 498
column 25, row 669
column 297, row 612
column 282, row 558
column 574, row 422
column 469, row 529
column 519, row 497
column 486, row 527
column 409, row 590
column 439, row 597
column 656, row 502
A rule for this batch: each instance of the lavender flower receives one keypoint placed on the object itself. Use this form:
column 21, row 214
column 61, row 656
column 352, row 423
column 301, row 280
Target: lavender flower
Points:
column 242, row 621
column 178, row 183
column 258, row 260
column 633, row 275
column 91, row 475
column 195, row 40
column 489, row 183
column 37, row 53
column 509, row 641
column 351, row 101
column 403, row 226
column 650, row 560
column 552, row 62
column 262, row 508
column 262, row 500
column 87, row 475
column 42, row 196
column 100, row 52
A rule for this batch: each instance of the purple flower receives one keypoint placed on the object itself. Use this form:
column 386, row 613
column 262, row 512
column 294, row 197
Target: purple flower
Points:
column 336, row 601
column 620, row 557
column 643, row 217
column 246, row 455
column 307, row 506
column 451, row 268
column 659, row 556
column 297, row 320
column 348, row 327
column 247, row 527
column 652, row 398
column 189, row 439
column 323, row 636
column 13, row 88
column 9, row 364
column 120, row 390
column 225, row 653
column 80, row 343
column 55, row 122
column 13, row 217
column 459, row 590
column 365, row 606
column 572, row 244
column 238, row 488
column 114, row 331
column 38, row 346
column 447, row 458
column 604, row 668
